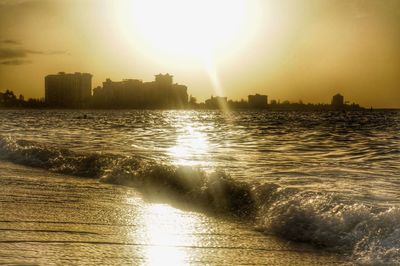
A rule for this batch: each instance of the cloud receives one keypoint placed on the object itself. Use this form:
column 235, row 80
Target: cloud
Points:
column 45, row 52
column 22, row 2
column 15, row 62
column 8, row 53
column 18, row 56
column 49, row 52
column 11, row 42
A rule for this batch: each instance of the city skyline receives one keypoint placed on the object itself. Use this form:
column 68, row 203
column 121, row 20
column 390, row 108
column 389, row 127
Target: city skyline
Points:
column 74, row 90
column 292, row 50
column 67, row 92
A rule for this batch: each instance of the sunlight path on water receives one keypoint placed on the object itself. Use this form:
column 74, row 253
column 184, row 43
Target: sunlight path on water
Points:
column 159, row 233
column 191, row 145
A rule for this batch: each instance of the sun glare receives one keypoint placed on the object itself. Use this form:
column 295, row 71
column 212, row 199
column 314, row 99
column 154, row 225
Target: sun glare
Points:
column 167, row 235
column 191, row 147
column 190, row 28
column 187, row 33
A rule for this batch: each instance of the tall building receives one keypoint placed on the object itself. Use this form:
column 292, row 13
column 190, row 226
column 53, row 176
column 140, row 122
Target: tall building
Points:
column 165, row 94
column 68, row 90
column 178, row 96
column 258, row 101
column 119, row 94
column 216, row 102
column 337, row 101
column 164, row 81
column 133, row 93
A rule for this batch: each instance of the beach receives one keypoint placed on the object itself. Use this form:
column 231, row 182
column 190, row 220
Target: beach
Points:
column 48, row 218
column 205, row 187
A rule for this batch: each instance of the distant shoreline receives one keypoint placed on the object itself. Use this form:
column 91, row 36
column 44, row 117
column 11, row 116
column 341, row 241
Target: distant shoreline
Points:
column 199, row 109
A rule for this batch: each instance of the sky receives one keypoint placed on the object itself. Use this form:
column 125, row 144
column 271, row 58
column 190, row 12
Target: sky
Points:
column 292, row 50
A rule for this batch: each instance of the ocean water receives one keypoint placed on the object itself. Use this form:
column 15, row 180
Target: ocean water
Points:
column 331, row 179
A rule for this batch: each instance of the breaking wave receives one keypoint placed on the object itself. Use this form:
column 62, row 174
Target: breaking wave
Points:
column 370, row 234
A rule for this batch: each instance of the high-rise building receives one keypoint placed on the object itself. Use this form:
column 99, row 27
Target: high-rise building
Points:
column 163, row 93
column 133, row 93
column 164, row 81
column 258, row 101
column 337, row 101
column 120, row 94
column 68, row 90
column 217, row 102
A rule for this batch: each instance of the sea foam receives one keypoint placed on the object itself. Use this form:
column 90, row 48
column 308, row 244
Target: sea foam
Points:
column 368, row 233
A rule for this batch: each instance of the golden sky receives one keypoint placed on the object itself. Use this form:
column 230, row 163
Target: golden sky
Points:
column 287, row 49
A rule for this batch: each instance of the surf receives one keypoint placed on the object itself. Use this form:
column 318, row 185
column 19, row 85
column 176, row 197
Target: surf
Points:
column 368, row 233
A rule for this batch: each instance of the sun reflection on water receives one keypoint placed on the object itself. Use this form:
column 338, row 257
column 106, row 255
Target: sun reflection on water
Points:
column 166, row 233
column 191, row 148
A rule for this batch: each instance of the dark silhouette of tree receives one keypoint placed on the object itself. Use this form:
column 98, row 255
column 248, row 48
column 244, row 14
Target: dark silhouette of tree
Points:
column 9, row 99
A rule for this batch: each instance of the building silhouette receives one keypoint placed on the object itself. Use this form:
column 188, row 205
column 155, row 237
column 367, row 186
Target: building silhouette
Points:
column 121, row 94
column 164, row 80
column 258, row 101
column 337, row 101
column 74, row 90
column 216, row 102
column 161, row 93
column 68, row 90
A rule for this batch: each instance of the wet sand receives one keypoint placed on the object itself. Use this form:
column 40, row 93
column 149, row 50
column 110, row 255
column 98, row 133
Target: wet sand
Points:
column 53, row 219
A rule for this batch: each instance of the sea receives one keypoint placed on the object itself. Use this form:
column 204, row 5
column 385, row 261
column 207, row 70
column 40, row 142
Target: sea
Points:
column 327, row 178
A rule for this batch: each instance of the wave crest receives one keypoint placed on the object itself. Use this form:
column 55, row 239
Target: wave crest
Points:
column 369, row 234
column 57, row 160
column 217, row 190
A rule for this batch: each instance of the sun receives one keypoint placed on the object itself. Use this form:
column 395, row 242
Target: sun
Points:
column 189, row 33
column 187, row 29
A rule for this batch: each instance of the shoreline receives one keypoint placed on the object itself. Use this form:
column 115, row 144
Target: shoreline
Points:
column 50, row 218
